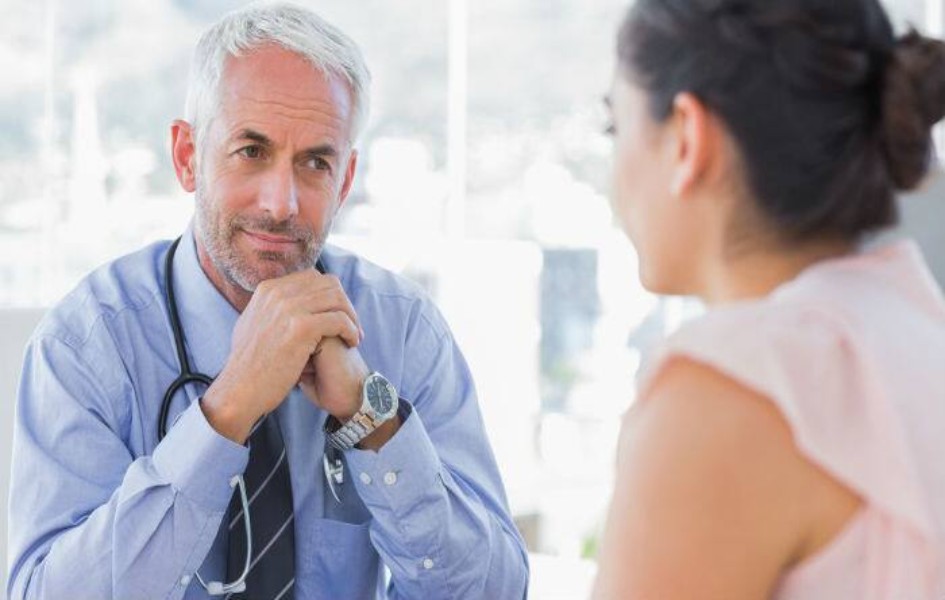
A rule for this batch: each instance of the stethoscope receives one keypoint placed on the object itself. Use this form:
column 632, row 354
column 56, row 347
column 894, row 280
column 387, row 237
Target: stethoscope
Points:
column 334, row 470
column 188, row 375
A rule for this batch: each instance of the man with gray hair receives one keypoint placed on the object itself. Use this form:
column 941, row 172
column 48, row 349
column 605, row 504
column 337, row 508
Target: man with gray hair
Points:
column 246, row 412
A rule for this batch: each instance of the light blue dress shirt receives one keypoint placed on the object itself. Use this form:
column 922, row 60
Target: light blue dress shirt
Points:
column 99, row 509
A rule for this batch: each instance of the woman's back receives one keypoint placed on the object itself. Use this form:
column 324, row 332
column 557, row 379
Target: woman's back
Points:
column 852, row 354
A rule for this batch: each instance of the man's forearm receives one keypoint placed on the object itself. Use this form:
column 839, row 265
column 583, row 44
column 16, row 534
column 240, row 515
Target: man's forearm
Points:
column 146, row 540
column 142, row 547
column 439, row 538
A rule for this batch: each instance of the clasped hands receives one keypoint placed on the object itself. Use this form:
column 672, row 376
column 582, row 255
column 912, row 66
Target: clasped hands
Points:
column 300, row 329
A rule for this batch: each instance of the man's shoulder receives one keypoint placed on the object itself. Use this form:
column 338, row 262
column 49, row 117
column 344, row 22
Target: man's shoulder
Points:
column 361, row 276
column 369, row 284
column 129, row 283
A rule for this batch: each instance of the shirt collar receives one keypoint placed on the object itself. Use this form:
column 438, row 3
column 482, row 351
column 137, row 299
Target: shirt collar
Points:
column 207, row 318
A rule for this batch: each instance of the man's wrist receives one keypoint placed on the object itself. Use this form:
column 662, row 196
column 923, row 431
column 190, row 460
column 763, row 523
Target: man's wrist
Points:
column 380, row 436
column 230, row 417
column 354, row 405
column 373, row 423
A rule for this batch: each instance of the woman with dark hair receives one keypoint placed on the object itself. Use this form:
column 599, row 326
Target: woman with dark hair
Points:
column 791, row 442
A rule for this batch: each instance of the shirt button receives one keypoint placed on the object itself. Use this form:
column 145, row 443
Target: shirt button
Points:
column 185, row 580
column 390, row 478
column 365, row 479
column 427, row 563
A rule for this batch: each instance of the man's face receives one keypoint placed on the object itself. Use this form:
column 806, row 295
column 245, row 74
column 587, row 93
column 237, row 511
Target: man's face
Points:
column 273, row 168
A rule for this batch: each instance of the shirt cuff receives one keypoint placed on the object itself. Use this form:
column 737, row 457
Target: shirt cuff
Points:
column 199, row 462
column 402, row 471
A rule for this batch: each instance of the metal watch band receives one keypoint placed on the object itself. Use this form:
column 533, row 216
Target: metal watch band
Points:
column 353, row 431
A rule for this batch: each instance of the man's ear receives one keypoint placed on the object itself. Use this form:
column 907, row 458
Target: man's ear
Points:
column 349, row 178
column 184, row 154
column 692, row 131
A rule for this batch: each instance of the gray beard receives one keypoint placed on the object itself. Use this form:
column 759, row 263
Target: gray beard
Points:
column 218, row 237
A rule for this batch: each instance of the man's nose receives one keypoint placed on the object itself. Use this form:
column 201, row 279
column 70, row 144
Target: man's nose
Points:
column 278, row 195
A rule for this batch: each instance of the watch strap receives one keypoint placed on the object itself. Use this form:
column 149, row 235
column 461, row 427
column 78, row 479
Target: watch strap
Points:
column 345, row 436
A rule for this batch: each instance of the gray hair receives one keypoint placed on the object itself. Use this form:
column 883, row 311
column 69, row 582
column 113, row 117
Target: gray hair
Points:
column 296, row 29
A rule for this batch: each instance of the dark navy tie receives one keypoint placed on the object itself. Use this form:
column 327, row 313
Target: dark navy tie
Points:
column 269, row 490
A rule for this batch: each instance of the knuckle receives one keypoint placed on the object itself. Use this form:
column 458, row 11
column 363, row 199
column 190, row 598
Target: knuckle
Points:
column 340, row 322
column 341, row 298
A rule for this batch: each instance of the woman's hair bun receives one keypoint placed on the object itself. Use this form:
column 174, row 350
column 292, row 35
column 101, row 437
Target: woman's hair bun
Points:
column 913, row 101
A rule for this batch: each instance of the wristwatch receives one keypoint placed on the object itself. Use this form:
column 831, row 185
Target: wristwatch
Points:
column 378, row 404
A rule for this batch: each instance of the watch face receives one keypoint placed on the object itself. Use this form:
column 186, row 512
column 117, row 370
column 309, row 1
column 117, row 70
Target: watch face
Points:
column 379, row 395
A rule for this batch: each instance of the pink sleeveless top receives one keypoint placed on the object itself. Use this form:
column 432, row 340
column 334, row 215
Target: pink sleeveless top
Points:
column 852, row 352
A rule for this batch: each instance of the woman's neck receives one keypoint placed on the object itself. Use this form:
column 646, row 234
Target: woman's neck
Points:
column 754, row 274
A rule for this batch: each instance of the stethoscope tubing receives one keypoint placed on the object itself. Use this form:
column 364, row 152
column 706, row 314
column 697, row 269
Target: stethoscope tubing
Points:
column 187, row 376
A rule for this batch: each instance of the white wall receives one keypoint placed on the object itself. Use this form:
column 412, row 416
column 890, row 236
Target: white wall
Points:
column 15, row 328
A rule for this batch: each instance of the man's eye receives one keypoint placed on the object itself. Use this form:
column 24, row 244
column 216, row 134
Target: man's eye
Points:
column 317, row 163
column 251, row 152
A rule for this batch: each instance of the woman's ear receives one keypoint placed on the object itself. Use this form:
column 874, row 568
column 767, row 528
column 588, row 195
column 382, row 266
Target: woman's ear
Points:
column 692, row 131
column 183, row 153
